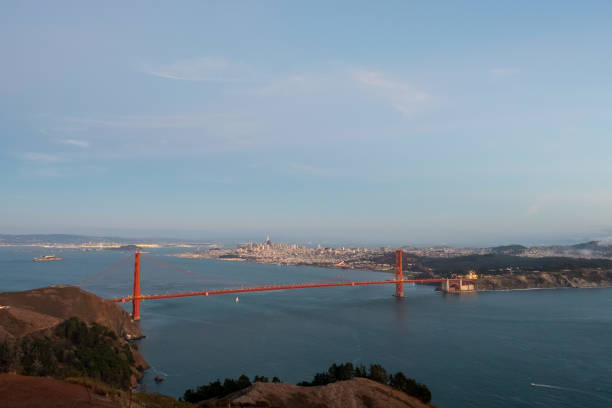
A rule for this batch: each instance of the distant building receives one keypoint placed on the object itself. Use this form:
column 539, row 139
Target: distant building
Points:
column 456, row 286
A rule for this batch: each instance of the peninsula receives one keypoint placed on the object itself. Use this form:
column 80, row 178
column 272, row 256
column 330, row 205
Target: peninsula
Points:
column 498, row 268
column 292, row 254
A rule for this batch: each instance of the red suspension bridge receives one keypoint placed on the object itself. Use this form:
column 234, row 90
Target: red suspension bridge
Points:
column 136, row 297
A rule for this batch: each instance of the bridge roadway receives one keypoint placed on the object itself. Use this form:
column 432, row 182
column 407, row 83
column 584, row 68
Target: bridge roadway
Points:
column 275, row 287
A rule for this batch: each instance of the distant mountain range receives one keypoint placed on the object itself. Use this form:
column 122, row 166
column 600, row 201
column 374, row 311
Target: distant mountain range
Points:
column 54, row 239
column 72, row 239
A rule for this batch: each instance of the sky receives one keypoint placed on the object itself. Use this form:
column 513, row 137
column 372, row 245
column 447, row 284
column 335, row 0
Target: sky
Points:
column 396, row 122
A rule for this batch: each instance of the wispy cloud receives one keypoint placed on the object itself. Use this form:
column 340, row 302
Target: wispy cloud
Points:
column 45, row 172
column 42, row 158
column 163, row 134
column 307, row 169
column 146, row 121
column 499, row 73
column 376, row 79
column 293, row 109
column 404, row 97
column 198, row 69
column 62, row 170
column 75, row 142
column 292, row 86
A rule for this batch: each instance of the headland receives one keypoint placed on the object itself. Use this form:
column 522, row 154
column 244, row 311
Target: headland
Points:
column 497, row 268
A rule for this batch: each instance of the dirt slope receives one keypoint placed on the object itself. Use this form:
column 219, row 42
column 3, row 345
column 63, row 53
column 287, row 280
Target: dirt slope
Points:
column 16, row 322
column 355, row 393
column 38, row 309
column 18, row 391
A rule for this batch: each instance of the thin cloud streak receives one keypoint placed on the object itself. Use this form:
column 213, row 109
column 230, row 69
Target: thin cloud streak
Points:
column 500, row 73
column 76, row 142
column 149, row 121
column 307, row 170
column 401, row 95
column 297, row 109
column 205, row 69
column 42, row 157
column 162, row 135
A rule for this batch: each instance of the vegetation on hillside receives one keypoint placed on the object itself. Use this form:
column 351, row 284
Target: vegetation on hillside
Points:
column 497, row 264
column 71, row 349
column 219, row 389
column 337, row 372
column 502, row 260
column 376, row 372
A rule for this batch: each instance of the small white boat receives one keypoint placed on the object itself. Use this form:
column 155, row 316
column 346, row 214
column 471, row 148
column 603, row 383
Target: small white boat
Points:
column 48, row 258
column 236, row 300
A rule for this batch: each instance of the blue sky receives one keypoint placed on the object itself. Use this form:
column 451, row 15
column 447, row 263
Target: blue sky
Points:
column 351, row 122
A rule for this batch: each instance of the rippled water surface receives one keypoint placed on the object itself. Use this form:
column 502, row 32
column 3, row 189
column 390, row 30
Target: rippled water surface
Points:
column 482, row 350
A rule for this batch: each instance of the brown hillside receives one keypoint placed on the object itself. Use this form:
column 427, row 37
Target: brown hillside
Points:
column 38, row 309
column 16, row 322
column 18, row 391
column 355, row 393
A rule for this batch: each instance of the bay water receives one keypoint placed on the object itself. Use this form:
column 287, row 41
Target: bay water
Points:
column 536, row 348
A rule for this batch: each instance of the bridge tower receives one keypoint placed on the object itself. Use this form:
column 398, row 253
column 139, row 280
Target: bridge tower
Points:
column 399, row 286
column 136, row 294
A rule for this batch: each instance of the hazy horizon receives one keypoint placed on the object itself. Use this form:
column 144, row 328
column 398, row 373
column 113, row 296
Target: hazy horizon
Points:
column 230, row 239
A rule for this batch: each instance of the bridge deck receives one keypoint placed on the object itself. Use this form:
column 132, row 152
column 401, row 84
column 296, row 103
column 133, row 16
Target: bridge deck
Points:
column 275, row 287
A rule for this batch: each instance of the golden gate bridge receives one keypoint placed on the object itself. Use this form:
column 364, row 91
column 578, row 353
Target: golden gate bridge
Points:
column 136, row 297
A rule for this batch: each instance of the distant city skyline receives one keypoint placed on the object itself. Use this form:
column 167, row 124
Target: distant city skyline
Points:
column 471, row 123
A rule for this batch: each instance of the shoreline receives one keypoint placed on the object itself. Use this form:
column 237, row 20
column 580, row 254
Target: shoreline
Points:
column 313, row 265
column 390, row 271
column 553, row 288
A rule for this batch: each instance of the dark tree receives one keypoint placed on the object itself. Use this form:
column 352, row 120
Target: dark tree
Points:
column 361, row 371
column 6, row 356
column 410, row 387
column 378, row 374
column 322, row 379
column 216, row 389
column 341, row 372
